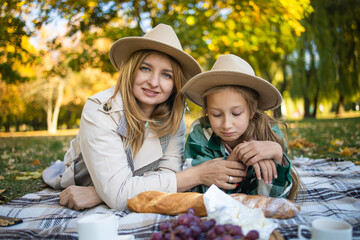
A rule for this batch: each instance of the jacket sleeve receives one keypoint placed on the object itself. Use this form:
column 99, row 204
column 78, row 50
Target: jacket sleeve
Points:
column 105, row 158
column 282, row 185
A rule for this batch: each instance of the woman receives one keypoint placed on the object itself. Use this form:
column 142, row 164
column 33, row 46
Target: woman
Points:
column 131, row 136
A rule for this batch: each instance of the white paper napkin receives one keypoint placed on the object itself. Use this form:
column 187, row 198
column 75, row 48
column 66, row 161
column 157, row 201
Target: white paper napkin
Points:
column 224, row 209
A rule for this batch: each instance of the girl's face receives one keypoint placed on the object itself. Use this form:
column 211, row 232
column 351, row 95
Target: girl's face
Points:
column 153, row 82
column 229, row 115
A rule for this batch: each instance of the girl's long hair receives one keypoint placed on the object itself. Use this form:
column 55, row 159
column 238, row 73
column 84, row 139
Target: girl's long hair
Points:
column 166, row 117
column 260, row 127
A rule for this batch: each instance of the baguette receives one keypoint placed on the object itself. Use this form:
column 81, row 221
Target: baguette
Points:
column 178, row 203
column 272, row 207
column 167, row 203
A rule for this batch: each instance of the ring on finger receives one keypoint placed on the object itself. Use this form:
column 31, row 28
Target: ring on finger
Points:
column 231, row 179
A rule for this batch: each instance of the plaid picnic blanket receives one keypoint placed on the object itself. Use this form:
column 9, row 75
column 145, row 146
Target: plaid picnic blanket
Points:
column 332, row 190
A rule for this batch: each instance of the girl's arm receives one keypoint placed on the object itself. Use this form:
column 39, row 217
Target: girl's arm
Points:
column 261, row 155
column 254, row 151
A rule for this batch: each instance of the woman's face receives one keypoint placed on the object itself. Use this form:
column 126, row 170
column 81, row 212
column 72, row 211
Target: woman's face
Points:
column 228, row 114
column 154, row 82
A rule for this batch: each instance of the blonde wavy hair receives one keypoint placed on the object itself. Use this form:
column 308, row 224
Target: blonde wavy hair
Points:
column 166, row 117
column 260, row 127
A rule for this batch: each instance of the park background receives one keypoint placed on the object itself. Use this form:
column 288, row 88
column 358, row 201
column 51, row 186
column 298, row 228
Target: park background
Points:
column 54, row 55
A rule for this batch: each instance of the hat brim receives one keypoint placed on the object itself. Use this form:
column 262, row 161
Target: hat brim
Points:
column 122, row 49
column 270, row 97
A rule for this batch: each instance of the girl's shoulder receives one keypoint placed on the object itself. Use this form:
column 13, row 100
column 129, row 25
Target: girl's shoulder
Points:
column 275, row 127
column 201, row 128
column 202, row 122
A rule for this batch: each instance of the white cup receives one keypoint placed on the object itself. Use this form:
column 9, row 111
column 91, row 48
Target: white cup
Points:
column 327, row 229
column 126, row 237
column 98, row 227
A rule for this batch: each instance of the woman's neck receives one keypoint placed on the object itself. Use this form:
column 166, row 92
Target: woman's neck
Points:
column 147, row 110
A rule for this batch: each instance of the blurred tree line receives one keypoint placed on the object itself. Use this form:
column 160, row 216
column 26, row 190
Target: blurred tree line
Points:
column 54, row 54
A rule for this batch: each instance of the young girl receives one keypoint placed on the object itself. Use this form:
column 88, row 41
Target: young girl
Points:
column 234, row 127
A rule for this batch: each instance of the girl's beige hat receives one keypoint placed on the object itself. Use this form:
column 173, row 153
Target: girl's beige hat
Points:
column 232, row 70
column 162, row 38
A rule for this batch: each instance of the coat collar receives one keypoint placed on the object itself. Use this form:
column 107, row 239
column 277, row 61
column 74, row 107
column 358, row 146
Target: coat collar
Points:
column 106, row 106
column 214, row 141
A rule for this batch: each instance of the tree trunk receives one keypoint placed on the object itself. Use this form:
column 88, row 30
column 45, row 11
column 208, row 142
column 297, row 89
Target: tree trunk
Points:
column 7, row 126
column 340, row 107
column 53, row 114
column 307, row 113
column 277, row 111
column 316, row 100
column 49, row 109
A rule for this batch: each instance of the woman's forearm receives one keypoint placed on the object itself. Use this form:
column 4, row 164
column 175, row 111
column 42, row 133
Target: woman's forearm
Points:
column 188, row 178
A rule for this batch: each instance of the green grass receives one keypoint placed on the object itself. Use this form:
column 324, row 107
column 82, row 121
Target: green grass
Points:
column 21, row 155
column 319, row 135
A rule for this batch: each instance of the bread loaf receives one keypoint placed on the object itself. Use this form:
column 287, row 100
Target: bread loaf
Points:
column 178, row 203
column 167, row 203
column 271, row 207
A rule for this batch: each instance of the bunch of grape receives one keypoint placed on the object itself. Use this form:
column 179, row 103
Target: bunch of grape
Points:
column 190, row 227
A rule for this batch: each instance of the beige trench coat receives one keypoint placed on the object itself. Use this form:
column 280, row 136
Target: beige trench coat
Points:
column 103, row 152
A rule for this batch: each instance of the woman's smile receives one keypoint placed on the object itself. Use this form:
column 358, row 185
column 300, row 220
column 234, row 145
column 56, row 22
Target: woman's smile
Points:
column 149, row 92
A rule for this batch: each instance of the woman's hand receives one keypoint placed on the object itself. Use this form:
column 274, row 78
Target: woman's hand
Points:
column 218, row 172
column 215, row 171
column 79, row 197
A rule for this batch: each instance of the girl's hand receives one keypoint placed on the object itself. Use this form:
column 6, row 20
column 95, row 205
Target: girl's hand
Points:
column 79, row 197
column 268, row 169
column 254, row 151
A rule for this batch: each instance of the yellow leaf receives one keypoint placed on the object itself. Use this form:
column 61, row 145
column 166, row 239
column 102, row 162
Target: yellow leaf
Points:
column 337, row 142
column 211, row 46
column 190, row 20
column 24, row 176
column 2, row 190
column 300, row 143
column 331, row 149
column 348, row 151
column 92, row 4
column 36, row 162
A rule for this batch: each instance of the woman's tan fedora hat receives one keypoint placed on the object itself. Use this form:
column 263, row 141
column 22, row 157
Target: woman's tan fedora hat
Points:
column 232, row 70
column 162, row 38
